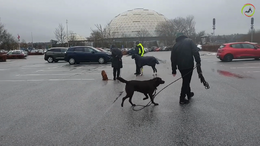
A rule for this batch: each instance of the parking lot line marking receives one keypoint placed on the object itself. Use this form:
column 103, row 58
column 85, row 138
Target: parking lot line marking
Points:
column 245, row 67
column 41, row 80
column 49, row 74
column 71, row 79
column 251, row 71
column 50, row 70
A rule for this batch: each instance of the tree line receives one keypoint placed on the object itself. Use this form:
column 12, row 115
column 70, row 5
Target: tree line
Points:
column 103, row 36
column 7, row 41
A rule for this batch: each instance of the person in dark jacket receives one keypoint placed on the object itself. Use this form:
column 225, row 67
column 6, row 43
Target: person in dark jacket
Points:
column 117, row 63
column 182, row 58
column 139, row 50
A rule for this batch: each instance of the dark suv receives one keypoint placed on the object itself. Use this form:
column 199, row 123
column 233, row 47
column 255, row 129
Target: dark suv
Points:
column 79, row 54
column 55, row 54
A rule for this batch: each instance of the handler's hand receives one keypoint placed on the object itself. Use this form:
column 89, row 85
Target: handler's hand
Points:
column 173, row 75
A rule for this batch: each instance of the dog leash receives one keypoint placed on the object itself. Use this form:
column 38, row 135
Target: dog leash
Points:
column 155, row 94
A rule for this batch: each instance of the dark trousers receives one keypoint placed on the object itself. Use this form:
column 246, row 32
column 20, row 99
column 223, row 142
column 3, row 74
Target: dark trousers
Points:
column 186, row 78
column 116, row 72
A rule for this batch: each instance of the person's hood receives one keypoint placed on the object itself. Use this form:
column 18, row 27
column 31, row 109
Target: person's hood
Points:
column 180, row 38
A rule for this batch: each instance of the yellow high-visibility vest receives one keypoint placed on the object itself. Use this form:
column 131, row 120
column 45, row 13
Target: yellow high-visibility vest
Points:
column 141, row 51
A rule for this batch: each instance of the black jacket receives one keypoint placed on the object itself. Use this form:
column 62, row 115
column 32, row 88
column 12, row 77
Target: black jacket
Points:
column 183, row 54
column 116, row 58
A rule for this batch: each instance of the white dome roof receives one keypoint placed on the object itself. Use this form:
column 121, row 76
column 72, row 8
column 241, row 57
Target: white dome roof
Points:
column 76, row 37
column 132, row 22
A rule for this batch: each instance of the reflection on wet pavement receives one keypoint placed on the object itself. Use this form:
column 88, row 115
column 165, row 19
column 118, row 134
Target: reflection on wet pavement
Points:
column 229, row 74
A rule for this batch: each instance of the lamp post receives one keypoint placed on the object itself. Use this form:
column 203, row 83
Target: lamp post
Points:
column 252, row 28
column 214, row 27
column 67, row 32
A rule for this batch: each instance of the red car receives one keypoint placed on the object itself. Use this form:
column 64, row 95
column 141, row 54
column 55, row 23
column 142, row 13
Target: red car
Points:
column 238, row 50
column 16, row 54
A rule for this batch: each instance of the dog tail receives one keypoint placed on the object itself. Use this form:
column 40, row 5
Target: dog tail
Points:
column 122, row 80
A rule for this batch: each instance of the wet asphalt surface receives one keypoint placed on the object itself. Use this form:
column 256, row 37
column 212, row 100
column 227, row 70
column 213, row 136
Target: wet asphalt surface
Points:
column 60, row 104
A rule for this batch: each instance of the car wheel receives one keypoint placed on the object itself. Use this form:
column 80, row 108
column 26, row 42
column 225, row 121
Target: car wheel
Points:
column 50, row 59
column 228, row 58
column 72, row 61
column 101, row 60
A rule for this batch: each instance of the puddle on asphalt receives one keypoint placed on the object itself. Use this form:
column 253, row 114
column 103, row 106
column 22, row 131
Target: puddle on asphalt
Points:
column 229, row 74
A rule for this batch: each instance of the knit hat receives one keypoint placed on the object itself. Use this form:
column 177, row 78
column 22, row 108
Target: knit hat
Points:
column 179, row 34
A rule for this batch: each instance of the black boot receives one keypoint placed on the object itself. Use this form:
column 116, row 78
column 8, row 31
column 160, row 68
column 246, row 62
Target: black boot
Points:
column 191, row 95
column 183, row 100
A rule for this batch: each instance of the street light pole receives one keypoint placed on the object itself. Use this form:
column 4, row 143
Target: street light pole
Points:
column 32, row 39
column 252, row 28
column 67, row 32
column 214, row 27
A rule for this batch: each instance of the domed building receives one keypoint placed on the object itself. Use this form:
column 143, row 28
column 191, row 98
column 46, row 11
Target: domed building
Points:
column 135, row 23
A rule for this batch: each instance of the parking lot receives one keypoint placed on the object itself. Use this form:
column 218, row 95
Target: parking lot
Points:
column 60, row 104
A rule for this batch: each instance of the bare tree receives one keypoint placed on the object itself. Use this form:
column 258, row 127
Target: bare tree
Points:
column 2, row 32
column 7, row 41
column 167, row 30
column 143, row 33
column 60, row 33
column 198, row 36
column 23, row 44
column 72, row 36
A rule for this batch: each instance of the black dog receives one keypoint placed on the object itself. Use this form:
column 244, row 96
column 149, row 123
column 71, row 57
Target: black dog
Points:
column 145, row 87
column 146, row 60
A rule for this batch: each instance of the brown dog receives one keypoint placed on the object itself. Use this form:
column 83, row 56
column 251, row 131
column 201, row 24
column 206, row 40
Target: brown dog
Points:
column 104, row 75
column 146, row 87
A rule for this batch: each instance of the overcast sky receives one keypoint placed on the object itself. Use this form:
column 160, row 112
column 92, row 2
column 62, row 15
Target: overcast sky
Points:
column 41, row 17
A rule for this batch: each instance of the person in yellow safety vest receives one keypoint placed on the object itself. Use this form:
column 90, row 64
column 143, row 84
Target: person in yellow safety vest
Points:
column 139, row 50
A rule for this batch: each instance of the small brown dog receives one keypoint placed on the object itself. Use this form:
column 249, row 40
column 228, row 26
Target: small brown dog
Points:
column 104, row 75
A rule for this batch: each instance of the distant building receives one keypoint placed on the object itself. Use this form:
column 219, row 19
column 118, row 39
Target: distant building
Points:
column 78, row 40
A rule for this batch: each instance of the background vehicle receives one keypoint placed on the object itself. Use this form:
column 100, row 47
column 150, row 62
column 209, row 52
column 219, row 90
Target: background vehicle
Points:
column 15, row 54
column 55, row 54
column 86, row 54
column 103, row 50
column 199, row 47
column 237, row 50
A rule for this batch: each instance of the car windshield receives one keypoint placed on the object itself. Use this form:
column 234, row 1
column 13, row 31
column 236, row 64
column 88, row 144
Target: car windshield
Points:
column 96, row 49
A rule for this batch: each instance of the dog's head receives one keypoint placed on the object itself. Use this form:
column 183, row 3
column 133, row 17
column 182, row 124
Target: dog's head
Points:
column 133, row 56
column 158, row 81
column 103, row 72
column 104, row 75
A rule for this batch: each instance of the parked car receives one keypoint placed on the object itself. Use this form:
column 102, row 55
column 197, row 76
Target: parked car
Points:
column 55, row 54
column 16, row 54
column 199, row 46
column 237, row 50
column 79, row 54
column 102, row 50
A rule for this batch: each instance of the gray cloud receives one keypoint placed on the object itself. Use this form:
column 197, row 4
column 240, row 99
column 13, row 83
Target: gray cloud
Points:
column 41, row 17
